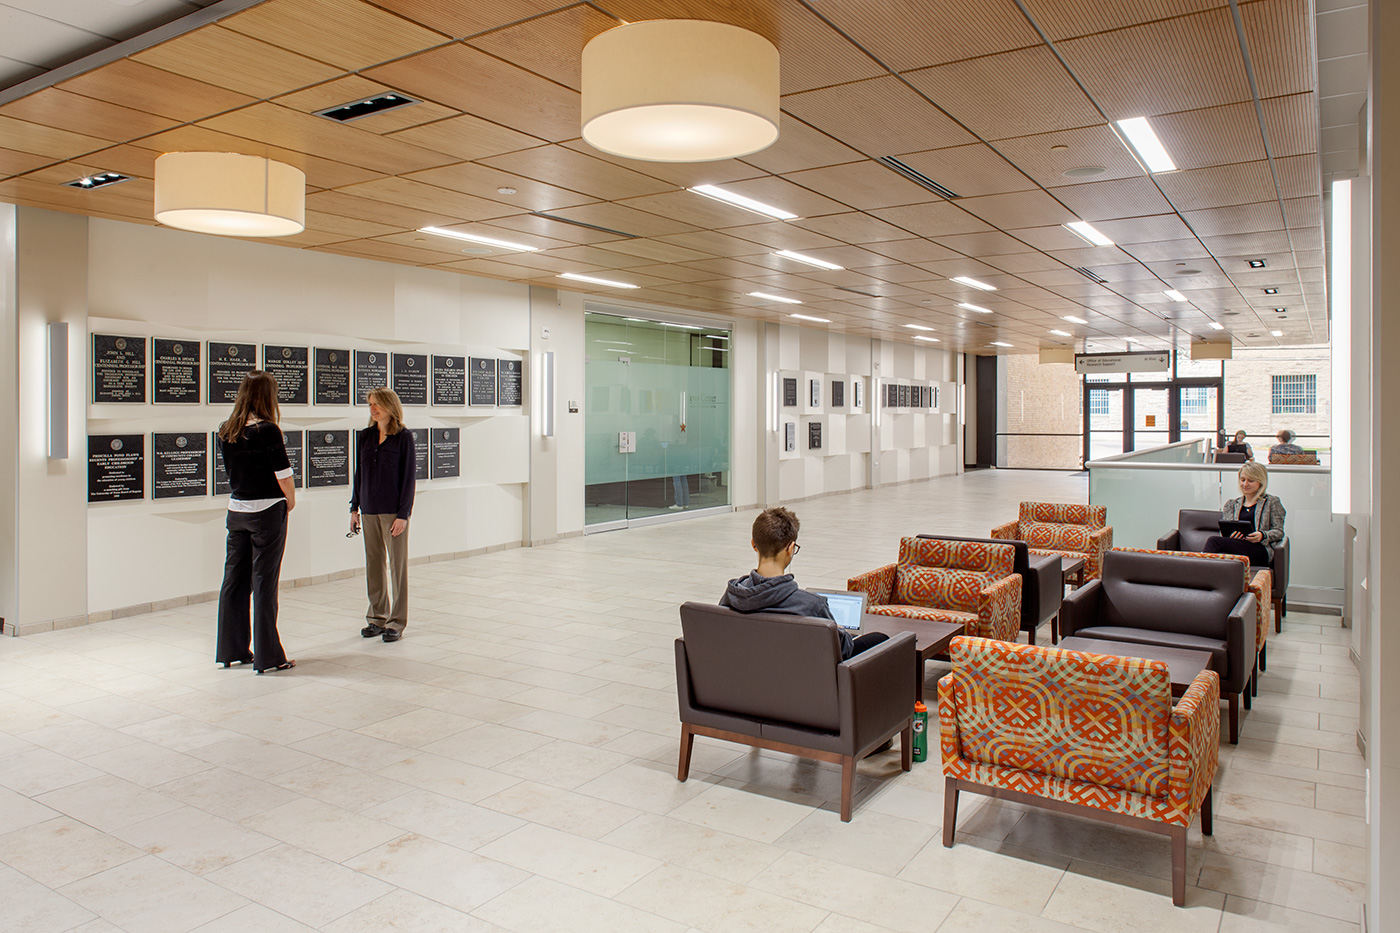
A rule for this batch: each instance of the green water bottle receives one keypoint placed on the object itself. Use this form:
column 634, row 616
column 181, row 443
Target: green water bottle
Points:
column 920, row 731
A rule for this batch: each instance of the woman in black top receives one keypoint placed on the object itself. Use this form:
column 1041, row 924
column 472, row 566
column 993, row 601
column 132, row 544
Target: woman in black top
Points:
column 260, row 475
column 385, row 476
column 1263, row 511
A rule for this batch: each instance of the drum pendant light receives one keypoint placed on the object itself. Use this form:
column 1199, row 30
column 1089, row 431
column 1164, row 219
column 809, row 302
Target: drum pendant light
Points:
column 229, row 194
column 680, row 91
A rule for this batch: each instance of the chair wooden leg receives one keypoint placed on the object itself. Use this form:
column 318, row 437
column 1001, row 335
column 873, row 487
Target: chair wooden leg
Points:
column 1278, row 614
column 1179, row 865
column 687, row 743
column 906, row 747
column 1254, row 678
column 950, row 810
column 1206, row 813
column 848, row 780
column 1030, row 636
column 1234, row 699
column 1264, row 658
column 1248, row 694
column 1055, row 629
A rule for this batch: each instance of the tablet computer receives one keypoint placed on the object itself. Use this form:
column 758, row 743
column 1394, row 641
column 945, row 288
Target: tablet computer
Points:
column 1228, row 528
column 847, row 607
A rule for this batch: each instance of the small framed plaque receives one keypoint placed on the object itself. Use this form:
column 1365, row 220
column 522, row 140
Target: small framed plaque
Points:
column 838, row 393
column 228, row 364
column 509, row 382
column 179, row 465
column 789, row 392
column 116, row 467
column 446, row 452
column 790, row 436
column 327, row 458
column 332, row 377
column 371, row 372
column 296, row 453
column 420, row 452
column 221, row 484
column 289, row 366
column 814, row 435
column 450, row 380
column 816, row 393
column 175, row 371
column 857, row 394
column 118, row 369
column 410, row 372
column 482, row 389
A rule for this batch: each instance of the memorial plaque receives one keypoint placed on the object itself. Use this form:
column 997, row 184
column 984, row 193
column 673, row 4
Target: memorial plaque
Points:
column 118, row 369
column 482, row 385
column 175, row 371
column 447, row 455
column 288, row 365
column 450, row 380
column 891, row 395
column 327, row 458
column 857, row 394
column 411, row 378
column 332, row 377
column 116, row 467
column 179, row 465
column 790, row 435
column 420, row 452
column 509, row 375
column 816, row 393
column 814, row 435
column 371, row 372
column 838, row 393
column 904, row 396
column 221, row 485
column 789, row 392
column 294, row 442
column 934, row 402
column 228, row 364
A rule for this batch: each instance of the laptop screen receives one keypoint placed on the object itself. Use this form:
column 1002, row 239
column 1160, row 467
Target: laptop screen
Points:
column 846, row 608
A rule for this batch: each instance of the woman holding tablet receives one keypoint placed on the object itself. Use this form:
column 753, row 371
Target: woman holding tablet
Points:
column 1257, row 510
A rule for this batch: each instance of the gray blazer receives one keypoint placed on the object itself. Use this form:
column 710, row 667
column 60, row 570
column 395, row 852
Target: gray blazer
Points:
column 1268, row 516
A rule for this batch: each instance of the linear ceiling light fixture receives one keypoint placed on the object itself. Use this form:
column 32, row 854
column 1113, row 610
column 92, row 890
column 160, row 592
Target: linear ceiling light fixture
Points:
column 595, row 281
column 809, row 260
column 1144, row 143
column 97, row 180
column 1276, row 333
column 978, row 308
column 1087, row 233
column 680, row 90
column 999, row 343
column 359, row 109
column 1216, row 325
column 808, row 317
column 1174, row 295
column 229, row 194
column 474, row 238
column 1061, row 333
column 964, row 280
column 929, row 339
column 778, row 298
column 738, row 200
column 917, row 327
column 1075, row 320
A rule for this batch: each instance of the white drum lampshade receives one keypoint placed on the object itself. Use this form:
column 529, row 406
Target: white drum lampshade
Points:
column 230, row 194
column 680, row 91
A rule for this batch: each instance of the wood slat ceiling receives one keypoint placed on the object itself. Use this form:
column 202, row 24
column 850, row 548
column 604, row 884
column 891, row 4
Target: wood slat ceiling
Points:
column 963, row 91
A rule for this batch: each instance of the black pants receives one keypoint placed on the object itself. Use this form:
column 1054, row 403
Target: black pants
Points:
column 867, row 641
column 253, row 567
column 1258, row 554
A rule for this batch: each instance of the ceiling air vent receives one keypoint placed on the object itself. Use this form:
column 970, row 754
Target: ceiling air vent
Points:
column 359, row 109
column 100, row 180
column 917, row 177
column 1090, row 274
column 579, row 223
column 859, row 292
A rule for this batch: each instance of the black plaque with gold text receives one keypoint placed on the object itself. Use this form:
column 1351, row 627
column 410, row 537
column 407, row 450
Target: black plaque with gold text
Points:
column 327, row 458
column 509, row 382
column 371, row 372
column 482, row 386
column 411, row 378
column 446, row 449
column 332, row 377
column 175, row 371
column 288, row 365
column 118, row 369
column 228, row 364
column 449, row 380
column 116, row 467
column 179, row 465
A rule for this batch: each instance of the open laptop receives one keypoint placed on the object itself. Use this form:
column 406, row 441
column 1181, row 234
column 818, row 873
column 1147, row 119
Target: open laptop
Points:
column 847, row 608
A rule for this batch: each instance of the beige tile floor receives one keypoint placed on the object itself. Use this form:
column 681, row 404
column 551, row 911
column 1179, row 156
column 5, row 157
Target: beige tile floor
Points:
column 510, row 766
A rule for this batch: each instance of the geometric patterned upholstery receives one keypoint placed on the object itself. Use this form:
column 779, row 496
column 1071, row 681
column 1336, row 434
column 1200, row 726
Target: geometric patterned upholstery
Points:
column 967, row 582
column 1089, row 729
column 1299, row 459
column 1069, row 529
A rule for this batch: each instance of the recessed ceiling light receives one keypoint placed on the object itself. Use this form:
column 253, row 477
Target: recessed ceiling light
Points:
column 99, row 180
column 1084, row 171
column 477, row 251
column 929, row 339
column 809, row 260
column 1188, row 271
column 964, row 280
column 1087, row 233
column 506, row 189
column 1075, row 320
column 357, row 109
column 1061, row 333
column 1216, row 325
column 1146, row 145
column 1174, row 295
column 596, row 281
column 1257, row 263
column 1131, row 340
column 808, row 317
column 1271, row 291
column 779, row 298
column 739, row 200
column 1276, row 333
column 917, row 327
column 978, row 308
column 998, row 343
column 1280, row 310
column 473, row 238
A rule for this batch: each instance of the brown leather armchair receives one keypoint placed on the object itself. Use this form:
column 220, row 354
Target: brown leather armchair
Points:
column 1195, row 603
column 1194, row 526
column 778, row 682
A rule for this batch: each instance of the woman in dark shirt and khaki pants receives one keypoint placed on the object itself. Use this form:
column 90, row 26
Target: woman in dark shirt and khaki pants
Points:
column 385, row 476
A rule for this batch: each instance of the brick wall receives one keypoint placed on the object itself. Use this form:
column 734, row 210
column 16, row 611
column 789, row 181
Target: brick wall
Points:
column 1249, row 395
column 1034, row 401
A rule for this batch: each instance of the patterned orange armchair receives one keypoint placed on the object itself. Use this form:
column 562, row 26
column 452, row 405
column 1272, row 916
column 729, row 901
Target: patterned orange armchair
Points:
column 1080, row 733
column 1296, row 459
column 937, row 579
column 1064, row 528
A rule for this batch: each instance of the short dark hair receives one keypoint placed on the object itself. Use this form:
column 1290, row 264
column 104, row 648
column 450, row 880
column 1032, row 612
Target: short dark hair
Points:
column 774, row 530
column 1286, row 436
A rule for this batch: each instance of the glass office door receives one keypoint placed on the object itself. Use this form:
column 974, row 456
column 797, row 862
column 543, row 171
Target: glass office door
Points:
column 656, row 419
column 1104, row 409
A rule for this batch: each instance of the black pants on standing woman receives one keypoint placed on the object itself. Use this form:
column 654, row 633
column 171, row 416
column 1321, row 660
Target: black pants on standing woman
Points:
column 253, row 567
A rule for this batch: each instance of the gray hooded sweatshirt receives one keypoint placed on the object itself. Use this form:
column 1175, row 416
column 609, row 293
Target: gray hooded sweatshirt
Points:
column 756, row 593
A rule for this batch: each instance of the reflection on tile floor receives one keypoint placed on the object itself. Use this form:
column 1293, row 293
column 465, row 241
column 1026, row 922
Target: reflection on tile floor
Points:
column 510, row 764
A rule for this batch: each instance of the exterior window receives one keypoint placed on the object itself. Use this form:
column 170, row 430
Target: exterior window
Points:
column 1098, row 401
column 1194, row 400
column 1295, row 395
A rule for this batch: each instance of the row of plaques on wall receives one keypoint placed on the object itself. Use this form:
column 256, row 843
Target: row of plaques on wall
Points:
column 179, row 463
column 814, row 388
column 814, row 435
column 902, row 396
column 122, row 367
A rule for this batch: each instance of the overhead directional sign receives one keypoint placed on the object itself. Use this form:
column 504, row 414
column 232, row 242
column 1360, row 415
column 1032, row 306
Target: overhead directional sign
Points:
column 1093, row 363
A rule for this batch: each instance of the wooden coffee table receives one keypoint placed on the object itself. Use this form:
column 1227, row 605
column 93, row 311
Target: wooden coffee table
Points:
column 930, row 638
column 1183, row 664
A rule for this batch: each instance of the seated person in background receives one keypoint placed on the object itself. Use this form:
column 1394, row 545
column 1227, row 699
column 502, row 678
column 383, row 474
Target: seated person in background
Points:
column 771, row 588
column 1238, row 446
column 1285, row 444
column 1264, row 511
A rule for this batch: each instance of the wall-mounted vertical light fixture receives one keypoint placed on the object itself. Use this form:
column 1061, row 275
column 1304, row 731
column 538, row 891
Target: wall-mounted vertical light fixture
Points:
column 878, row 404
column 58, row 390
column 774, row 388
column 547, row 394
column 1341, row 346
column 962, row 404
